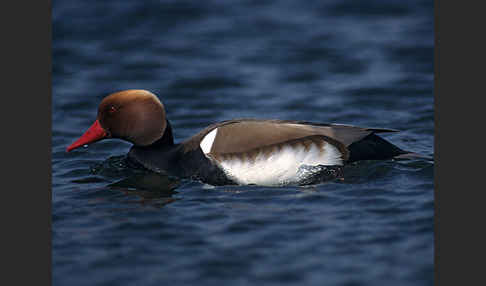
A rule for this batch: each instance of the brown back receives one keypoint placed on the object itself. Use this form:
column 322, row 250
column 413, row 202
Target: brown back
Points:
column 236, row 136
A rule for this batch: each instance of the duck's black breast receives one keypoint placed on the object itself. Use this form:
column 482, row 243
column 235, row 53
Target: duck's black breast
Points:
column 175, row 161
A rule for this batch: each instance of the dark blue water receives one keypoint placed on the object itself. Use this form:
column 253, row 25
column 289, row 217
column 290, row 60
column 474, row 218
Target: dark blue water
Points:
column 368, row 63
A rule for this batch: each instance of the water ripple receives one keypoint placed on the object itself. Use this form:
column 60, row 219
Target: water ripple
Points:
column 369, row 64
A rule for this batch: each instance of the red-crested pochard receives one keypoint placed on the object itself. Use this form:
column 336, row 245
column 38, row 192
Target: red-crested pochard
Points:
column 240, row 151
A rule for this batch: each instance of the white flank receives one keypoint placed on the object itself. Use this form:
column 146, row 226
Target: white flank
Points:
column 208, row 141
column 281, row 167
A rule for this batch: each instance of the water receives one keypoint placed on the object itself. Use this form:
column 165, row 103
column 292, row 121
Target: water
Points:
column 368, row 63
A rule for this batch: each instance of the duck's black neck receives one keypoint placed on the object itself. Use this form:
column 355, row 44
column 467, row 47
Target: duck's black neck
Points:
column 167, row 138
column 161, row 155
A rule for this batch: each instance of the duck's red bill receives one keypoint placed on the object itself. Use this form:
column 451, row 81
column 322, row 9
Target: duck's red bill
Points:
column 93, row 134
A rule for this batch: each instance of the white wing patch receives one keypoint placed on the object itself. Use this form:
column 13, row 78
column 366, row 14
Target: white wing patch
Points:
column 208, row 141
column 280, row 167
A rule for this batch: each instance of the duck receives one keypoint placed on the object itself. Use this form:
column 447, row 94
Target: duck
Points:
column 247, row 151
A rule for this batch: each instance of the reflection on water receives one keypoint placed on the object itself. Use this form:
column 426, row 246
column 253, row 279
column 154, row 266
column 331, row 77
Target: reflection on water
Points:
column 132, row 180
column 154, row 189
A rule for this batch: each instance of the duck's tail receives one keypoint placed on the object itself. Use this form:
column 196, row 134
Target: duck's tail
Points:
column 373, row 147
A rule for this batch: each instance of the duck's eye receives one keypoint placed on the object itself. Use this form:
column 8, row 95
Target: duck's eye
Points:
column 112, row 109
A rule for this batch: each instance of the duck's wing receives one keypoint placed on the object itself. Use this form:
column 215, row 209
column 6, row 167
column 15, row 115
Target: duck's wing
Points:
column 244, row 135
